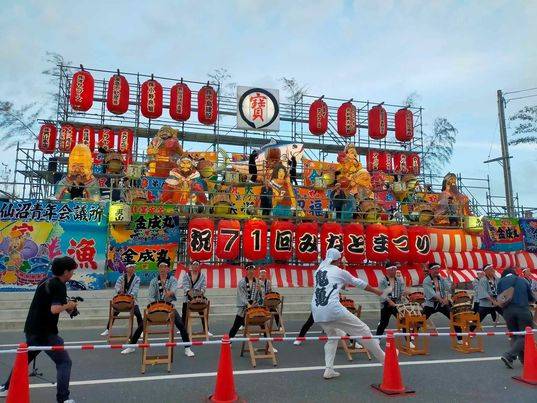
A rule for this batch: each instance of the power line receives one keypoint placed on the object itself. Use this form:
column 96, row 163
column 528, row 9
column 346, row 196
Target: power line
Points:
column 516, row 92
column 527, row 96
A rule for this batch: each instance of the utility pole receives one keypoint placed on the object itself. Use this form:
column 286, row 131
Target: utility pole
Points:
column 505, row 155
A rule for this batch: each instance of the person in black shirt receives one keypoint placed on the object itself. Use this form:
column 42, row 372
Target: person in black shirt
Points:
column 292, row 170
column 41, row 327
column 265, row 199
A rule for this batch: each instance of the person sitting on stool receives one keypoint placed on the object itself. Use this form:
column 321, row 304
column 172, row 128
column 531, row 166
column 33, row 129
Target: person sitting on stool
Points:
column 164, row 288
column 41, row 327
column 248, row 295
column 194, row 282
column 129, row 283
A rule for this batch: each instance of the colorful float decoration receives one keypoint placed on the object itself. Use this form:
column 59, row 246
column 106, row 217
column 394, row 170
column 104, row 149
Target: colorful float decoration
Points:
column 164, row 152
column 79, row 182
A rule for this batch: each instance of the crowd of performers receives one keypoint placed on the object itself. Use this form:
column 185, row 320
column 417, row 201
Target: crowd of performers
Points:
column 252, row 288
column 50, row 299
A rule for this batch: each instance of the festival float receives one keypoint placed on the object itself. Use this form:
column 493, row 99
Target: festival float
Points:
column 127, row 174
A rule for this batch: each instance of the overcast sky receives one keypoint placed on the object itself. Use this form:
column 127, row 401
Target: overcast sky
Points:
column 455, row 54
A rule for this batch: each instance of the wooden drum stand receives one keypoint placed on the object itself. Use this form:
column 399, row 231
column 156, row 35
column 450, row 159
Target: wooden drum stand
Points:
column 274, row 303
column 161, row 315
column 257, row 323
column 198, row 307
column 462, row 315
column 410, row 319
column 121, row 304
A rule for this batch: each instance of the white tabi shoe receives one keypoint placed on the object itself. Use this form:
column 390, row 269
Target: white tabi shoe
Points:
column 210, row 334
column 329, row 373
column 189, row 352
column 297, row 342
column 3, row 391
column 105, row 333
column 274, row 350
column 128, row 350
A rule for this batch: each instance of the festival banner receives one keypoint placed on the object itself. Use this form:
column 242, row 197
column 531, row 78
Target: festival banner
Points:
column 150, row 238
column 33, row 233
column 529, row 231
column 316, row 169
column 502, row 235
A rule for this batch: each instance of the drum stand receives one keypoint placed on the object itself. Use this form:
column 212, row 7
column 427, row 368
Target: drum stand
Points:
column 353, row 346
column 203, row 316
column 169, row 330
column 412, row 324
column 258, row 330
column 465, row 320
column 277, row 310
column 128, row 316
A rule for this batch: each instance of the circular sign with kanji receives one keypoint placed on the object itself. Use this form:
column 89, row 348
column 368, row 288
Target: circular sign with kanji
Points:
column 257, row 109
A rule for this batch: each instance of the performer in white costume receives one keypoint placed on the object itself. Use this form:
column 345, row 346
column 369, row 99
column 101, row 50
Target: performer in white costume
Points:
column 333, row 317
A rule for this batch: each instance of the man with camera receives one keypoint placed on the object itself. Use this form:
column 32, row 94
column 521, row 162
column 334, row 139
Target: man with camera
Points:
column 41, row 328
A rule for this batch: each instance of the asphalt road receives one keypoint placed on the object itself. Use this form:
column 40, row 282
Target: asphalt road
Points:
column 442, row 376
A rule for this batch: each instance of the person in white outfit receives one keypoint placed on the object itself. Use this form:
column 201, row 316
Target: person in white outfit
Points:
column 333, row 317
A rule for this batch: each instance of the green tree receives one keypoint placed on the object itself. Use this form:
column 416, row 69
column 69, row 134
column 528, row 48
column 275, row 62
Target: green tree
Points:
column 525, row 121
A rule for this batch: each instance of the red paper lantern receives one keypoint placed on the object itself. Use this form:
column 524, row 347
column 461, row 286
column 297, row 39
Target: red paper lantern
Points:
column 125, row 140
column 82, row 84
column 180, row 102
column 67, row 139
column 318, row 117
column 151, row 99
column 354, row 243
column 379, row 161
column 117, row 96
column 47, row 138
column 106, row 139
column 281, row 240
column 398, row 248
column 207, row 105
column 419, row 242
column 404, row 125
column 306, row 240
column 86, row 135
column 346, row 120
column 400, row 163
column 378, row 122
column 229, row 239
column 200, row 239
column 331, row 237
column 377, row 242
column 413, row 163
column 254, row 240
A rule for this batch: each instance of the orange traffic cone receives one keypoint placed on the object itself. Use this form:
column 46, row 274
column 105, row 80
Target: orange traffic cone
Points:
column 529, row 373
column 224, row 391
column 392, row 382
column 19, row 386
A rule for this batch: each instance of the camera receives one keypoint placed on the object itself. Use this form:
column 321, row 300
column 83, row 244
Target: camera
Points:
column 75, row 311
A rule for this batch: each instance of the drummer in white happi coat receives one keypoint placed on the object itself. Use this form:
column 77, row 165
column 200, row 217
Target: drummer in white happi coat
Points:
column 333, row 317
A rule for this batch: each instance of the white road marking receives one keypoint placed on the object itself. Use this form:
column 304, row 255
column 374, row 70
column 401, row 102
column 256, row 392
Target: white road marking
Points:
column 256, row 372
column 216, row 336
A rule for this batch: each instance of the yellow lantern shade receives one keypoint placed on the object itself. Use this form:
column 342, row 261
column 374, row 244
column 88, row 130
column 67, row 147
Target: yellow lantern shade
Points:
column 120, row 213
column 473, row 225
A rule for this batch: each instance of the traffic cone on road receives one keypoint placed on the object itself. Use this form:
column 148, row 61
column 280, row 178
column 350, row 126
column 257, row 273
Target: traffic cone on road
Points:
column 529, row 372
column 224, row 391
column 19, row 386
column 392, row 381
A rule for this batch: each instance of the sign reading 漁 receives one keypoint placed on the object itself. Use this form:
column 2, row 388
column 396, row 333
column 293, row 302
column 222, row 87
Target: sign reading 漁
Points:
column 33, row 233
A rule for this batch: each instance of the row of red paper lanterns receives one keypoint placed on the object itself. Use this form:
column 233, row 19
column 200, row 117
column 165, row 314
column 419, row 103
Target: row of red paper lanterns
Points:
column 347, row 124
column 71, row 135
column 394, row 163
column 151, row 98
column 376, row 243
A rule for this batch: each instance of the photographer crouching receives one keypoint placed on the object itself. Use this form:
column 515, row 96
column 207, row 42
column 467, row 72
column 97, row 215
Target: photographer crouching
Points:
column 41, row 327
